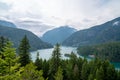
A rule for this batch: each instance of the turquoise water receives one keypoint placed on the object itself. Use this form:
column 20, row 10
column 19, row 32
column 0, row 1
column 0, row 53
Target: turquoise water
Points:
column 116, row 64
column 46, row 54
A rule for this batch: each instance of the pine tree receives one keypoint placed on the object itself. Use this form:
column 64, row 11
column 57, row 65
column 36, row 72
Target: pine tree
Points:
column 30, row 73
column 85, row 71
column 100, row 74
column 9, row 67
column 3, row 42
column 24, row 51
column 69, row 71
column 91, row 77
column 111, row 73
column 45, row 68
column 76, row 72
column 55, row 61
column 58, row 74
column 118, row 75
column 38, row 62
column 73, row 58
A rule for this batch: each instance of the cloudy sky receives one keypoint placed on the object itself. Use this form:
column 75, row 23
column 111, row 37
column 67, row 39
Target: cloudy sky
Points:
column 39, row 16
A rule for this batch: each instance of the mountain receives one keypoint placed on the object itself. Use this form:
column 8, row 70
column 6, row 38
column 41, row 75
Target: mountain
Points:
column 58, row 35
column 29, row 24
column 107, row 32
column 15, row 35
column 6, row 23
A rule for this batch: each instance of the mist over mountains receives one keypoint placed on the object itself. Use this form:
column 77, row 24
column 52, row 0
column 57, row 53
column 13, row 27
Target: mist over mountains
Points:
column 15, row 35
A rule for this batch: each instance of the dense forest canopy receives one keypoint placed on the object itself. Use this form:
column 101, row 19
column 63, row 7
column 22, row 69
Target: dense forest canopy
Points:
column 55, row 68
column 110, row 51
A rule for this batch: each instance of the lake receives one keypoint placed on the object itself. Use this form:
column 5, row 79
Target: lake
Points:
column 46, row 54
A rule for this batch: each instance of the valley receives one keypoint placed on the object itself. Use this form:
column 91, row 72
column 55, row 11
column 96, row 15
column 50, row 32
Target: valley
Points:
column 59, row 40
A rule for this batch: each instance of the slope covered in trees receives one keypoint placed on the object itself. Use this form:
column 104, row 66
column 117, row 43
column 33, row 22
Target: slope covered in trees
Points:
column 110, row 51
column 15, row 35
column 73, row 68
column 106, row 32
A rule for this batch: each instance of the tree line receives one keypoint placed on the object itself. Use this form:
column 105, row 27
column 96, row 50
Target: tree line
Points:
column 19, row 66
column 110, row 51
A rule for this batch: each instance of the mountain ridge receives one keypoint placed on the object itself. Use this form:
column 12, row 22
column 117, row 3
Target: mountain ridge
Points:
column 7, row 23
column 58, row 35
column 15, row 35
column 105, row 32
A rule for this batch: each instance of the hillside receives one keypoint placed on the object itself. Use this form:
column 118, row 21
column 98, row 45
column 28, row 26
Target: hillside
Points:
column 109, row 51
column 58, row 35
column 15, row 35
column 106, row 32
column 7, row 23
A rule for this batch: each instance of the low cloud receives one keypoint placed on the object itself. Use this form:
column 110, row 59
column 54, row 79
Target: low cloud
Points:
column 39, row 16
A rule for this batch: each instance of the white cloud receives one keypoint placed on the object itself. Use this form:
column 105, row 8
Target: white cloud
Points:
column 80, row 14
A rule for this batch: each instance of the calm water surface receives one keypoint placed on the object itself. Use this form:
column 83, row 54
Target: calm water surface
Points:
column 46, row 54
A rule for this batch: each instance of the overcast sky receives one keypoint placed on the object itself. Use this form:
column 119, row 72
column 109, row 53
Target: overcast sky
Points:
column 39, row 16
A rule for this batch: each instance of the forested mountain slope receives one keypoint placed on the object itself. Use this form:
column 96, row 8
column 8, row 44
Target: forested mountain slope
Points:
column 107, row 32
column 15, row 35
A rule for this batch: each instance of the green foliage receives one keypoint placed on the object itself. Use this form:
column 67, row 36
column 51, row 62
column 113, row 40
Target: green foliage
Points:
column 91, row 77
column 110, row 51
column 71, row 69
column 24, row 51
column 85, row 71
column 55, row 61
column 38, row 62
column 9, row 68
column 59, row 74
column 45, row 68
column 3, row 42
column 100, row 74
column 30, row 73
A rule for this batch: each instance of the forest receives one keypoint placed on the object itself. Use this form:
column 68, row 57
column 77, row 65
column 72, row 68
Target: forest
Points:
column 109, row 50
column 16, row 64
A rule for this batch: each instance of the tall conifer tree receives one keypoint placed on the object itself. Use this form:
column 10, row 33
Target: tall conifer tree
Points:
column 55, row 60
column 24, row 51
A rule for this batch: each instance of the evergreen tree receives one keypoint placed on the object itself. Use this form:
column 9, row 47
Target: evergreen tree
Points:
column 100, row 74
column 38, row 62
column 55, row 60
column 24, row 51
column 45, row 68
column 111, row 73
column 30, row 73
column 58, row 74
column 76, row 72
column 118, row 75
column 91, row 77
column 69, row 71
column 3, row 42
column 9, row 67
column 73, row 58
column 85, row 71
